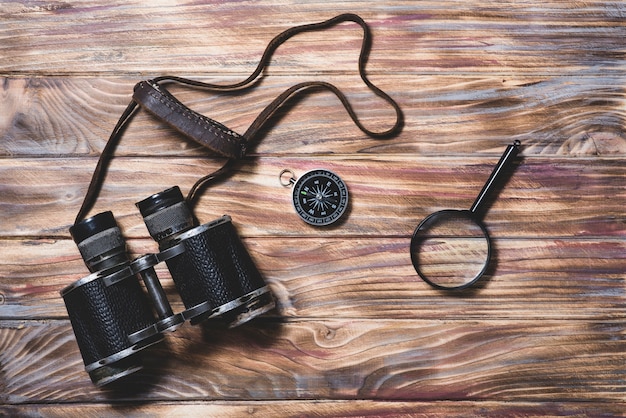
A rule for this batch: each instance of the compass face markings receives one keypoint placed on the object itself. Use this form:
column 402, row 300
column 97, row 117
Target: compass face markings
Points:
column 320, row 197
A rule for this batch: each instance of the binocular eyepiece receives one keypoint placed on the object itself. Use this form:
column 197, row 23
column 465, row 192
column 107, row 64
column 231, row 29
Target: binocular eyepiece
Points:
column 113, row 317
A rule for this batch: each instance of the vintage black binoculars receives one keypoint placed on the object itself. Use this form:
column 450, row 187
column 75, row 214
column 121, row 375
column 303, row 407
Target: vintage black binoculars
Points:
column 113, row 317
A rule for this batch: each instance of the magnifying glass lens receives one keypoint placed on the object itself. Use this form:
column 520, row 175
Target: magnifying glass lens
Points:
column 450, row 249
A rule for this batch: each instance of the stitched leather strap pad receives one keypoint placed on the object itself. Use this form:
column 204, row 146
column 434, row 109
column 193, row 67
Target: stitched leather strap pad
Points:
column 207, row 132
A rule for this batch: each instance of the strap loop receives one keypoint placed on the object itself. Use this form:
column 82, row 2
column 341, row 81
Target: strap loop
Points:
column 154, row 98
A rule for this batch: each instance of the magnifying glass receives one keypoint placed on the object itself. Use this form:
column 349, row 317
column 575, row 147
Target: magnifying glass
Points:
column 451, row 249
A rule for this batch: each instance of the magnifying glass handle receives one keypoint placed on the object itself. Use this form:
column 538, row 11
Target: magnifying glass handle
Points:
column 509, row 154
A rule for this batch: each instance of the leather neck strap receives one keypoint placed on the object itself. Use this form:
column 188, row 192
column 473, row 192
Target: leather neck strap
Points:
column 153, row 96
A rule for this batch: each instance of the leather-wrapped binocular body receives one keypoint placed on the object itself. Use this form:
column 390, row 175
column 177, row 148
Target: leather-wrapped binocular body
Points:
column 114, row 318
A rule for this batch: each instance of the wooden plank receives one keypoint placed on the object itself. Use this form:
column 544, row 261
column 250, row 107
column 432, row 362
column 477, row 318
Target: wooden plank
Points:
column 362, row 278
column 453, row 36
column 334, row 409
column 389, row 194
column 415, row 360
column 577, row 114
column 355, row 331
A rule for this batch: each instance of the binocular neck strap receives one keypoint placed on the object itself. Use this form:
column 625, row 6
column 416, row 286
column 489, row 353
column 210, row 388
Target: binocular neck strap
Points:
column 153, row 96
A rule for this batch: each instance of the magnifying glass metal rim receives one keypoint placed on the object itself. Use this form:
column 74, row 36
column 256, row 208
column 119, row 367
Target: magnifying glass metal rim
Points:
column 473, row 214
column 443, row 214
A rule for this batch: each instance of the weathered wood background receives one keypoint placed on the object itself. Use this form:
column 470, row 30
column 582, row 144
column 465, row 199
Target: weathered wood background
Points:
column 356, row 333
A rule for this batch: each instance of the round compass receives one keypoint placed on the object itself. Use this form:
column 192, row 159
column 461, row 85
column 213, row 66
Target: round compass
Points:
column 319, row 196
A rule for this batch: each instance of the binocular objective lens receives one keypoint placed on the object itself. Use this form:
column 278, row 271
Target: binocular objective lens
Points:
column 100, row 242
column 166, row 214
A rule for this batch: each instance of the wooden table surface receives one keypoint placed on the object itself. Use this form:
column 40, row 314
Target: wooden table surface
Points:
column 355, row 332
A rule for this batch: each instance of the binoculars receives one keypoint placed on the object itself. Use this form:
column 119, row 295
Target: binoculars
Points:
column 113, row 317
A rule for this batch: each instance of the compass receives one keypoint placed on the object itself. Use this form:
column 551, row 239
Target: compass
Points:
column 319, row 196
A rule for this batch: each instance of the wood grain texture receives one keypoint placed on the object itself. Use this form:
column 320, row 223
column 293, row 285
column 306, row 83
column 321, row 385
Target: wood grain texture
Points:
column 389, row 194
column 363, row 278
column 330, row 409
column 355, row 332
column 335, row 359
column 578, row 114
column 215, row 36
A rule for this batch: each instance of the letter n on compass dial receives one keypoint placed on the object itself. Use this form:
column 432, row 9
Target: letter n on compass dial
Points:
column 320, row 197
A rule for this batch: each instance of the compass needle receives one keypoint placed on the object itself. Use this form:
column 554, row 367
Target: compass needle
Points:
column 319, row 196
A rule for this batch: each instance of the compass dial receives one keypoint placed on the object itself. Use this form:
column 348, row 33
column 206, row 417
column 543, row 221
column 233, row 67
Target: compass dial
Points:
column 320, row 197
